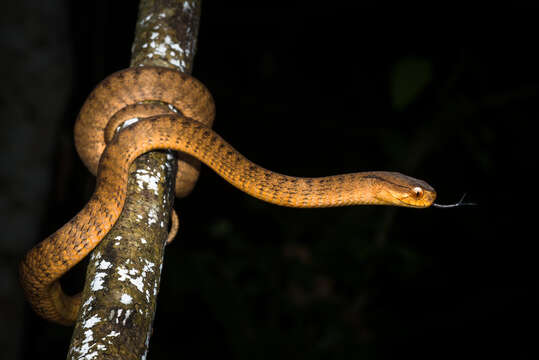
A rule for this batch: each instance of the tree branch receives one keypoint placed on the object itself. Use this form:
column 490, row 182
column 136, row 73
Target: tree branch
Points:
column 122, row 281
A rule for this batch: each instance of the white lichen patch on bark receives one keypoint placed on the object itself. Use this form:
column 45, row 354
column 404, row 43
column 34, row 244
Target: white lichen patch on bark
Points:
column 166, row 48
column 148, row 268
column 91, row 322
column 152, row 217
column 87, row 306
column 97, row 282
column 104, row 265
column 131, row 276
column 126, row 299
column 187, row 6
column 88, row 301
column 127, row 315
column 147, row 180
column 83, row 352
column 87, row 350
column 119, row 317
column 146, row 19
column 99, row 278
column 88, row 336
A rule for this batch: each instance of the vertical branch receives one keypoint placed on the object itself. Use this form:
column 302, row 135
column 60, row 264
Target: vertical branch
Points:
column 122, row 281
column 166, row 36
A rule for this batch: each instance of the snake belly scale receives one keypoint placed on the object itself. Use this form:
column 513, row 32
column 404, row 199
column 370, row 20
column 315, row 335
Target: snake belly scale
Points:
column 191, row 135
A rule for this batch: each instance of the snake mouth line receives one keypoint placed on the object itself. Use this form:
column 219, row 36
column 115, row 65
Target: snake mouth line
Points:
column 405, row 204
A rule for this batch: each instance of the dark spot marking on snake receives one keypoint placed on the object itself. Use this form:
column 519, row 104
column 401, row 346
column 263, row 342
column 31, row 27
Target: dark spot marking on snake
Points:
column 106, row 84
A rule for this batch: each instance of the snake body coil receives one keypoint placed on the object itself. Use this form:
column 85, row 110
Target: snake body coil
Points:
column 159, row 128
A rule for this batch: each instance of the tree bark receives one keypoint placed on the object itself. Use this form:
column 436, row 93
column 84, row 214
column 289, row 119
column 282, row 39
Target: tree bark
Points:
column 122, row 281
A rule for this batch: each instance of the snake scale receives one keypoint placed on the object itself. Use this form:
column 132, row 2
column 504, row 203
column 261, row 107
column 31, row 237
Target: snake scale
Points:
column 108, row 153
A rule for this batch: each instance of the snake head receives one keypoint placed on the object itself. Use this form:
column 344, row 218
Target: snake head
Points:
column 401, row 190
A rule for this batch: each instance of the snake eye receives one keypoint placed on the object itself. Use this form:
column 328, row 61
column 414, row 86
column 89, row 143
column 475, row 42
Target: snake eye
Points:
column 418, row 192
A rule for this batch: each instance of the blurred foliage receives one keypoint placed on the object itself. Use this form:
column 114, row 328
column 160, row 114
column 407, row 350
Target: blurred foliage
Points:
column 409, row 77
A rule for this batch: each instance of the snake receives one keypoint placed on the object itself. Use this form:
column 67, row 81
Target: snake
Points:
column 171, row 110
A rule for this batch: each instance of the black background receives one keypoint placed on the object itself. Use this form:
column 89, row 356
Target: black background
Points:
column 313, row 90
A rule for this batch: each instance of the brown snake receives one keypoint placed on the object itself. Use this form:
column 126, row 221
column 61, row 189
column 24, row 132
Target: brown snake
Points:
column 115, row 98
